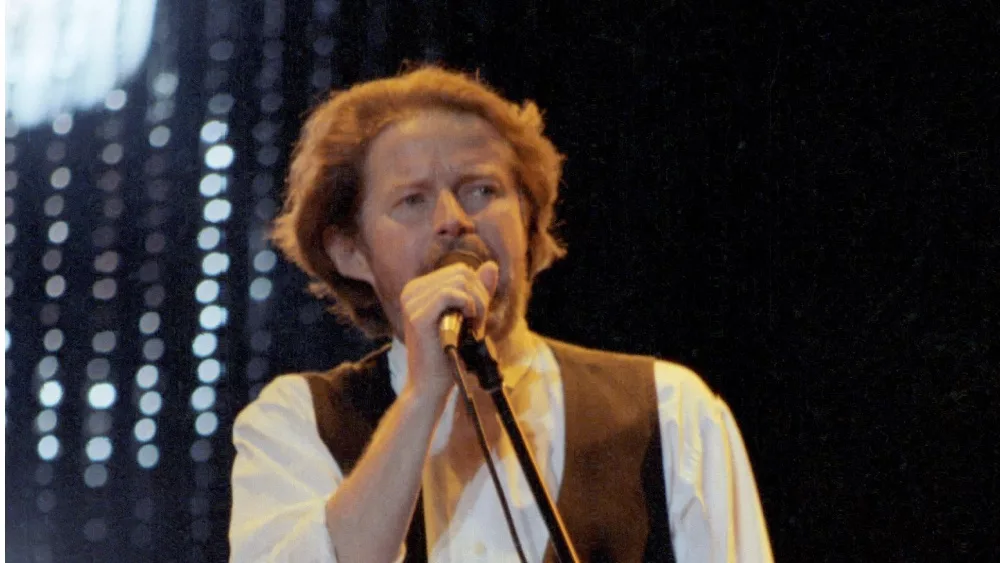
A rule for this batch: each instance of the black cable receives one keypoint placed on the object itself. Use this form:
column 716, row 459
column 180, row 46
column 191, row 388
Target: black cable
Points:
column 470, row 407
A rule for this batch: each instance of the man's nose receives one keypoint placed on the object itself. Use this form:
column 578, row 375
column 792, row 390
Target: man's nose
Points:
column 450, row 217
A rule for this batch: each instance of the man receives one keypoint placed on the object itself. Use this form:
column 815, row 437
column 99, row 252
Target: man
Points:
column 373, row 461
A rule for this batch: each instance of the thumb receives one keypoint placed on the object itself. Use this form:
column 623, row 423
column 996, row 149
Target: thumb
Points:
column 489, row 275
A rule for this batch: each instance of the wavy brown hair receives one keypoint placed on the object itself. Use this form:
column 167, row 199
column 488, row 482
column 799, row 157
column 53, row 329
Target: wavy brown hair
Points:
column 325, row 182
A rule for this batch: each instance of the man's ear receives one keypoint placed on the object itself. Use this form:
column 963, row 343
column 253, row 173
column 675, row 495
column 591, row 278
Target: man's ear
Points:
column 347, row 255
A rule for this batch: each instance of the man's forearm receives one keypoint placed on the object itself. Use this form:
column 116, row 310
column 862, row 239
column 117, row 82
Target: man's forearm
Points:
column 367, row 517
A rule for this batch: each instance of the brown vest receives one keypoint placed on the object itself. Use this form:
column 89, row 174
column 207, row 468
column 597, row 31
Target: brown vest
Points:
column 611, row 498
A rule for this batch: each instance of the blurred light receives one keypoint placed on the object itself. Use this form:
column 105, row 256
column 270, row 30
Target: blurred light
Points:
column 63, row 57
column 99, row 448
column 145, row 429
column 48, row 447
column 104, row 341
column 60, row 177
column 217, row 210
column 204, row 344
column 105, row 289
column 98, row 368
column 95, row 476
column 55, row 286
column 58, row 232
column 106, row 262
column 53, row 340
column 209, row 370
column 220, row 103
column 115, row 100
column 52, row 259
column 214, row 131
column 159, row 136
column 207, row 291
column 153, row 349
column 10, row 232
column 50, row 394
column 264, row 261
column 209, row 238
column 47, row 367
column 212, row 184
column 150, row 403
column 112, row 154
column 101, row 395
column 165, row 83
column 212, row 317
column 148, row 456
column 62, row 124
column 203, row 398
column 260, row 289
column 206, row 423
column 219, row 157
column 147, row 376
column 149, row 322
column 215, row 263
column 46, row 421
column 201, row 450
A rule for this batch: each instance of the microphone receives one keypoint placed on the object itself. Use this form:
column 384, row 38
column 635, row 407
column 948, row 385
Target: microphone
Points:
column 452, row 321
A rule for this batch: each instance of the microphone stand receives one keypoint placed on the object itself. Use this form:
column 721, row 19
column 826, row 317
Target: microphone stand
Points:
column 479, row 358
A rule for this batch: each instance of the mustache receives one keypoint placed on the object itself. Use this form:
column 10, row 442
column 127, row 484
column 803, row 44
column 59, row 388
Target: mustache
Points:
column 469, row 245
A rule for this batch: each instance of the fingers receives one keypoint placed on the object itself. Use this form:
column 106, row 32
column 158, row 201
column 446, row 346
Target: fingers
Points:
column 455, row 287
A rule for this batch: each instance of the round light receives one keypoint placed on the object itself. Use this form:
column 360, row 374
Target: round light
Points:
column 58, row 232
column 147, row 376
column 62, row 124
column 209, row 238
column 99, row 448
column 145, row 429
column 55, row 286
column 212, row 317
column 46, row 421
column 204, row 344
column 105, row 289
column 203, row 398
column 217, row 210
column 215, row 263
column 159, row 136
column 50, row 394
column 209, row 370
column 219, row 157
column 150, row 403
column 148, row 456
column 165, row 83
column 206, row 423
column 207, row 291
column 104, row 341
column 212, row 185
column 48, row 447
column 214, row 131
column 47, row 367
column 112, row 154
column 153, row 349
column 53, row 340
column 260, row 289
column 264, row 261
column 60, row 178
column 115, row 100
column 149, row 322
column 95, row 476
column 101, row 395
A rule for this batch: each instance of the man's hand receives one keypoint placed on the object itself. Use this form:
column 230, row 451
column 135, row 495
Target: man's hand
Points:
column 424, row 301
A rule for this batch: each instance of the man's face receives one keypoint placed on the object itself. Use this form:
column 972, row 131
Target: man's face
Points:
column 434, row 182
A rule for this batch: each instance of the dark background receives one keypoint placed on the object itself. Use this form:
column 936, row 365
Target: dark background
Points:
column 798, row 200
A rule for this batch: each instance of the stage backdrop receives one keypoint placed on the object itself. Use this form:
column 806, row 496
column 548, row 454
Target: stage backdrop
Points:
column 798, row 201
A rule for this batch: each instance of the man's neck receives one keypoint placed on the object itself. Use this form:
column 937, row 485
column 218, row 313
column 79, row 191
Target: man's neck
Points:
column 511, row 348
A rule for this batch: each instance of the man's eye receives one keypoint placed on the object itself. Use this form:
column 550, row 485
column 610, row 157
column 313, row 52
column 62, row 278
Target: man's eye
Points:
column 413, row 199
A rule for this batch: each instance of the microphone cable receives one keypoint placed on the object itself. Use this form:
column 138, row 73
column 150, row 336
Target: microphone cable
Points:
column 470, row 407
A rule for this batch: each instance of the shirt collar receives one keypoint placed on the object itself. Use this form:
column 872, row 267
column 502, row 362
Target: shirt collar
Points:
column 527, row 349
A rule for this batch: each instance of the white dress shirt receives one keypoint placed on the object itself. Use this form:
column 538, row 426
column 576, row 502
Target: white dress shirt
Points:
column 283, row 473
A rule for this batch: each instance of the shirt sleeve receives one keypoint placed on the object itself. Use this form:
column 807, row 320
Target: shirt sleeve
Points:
column 282, row 476
column 712, row 501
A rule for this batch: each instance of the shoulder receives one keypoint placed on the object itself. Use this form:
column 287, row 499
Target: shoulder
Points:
column 286, row 395
column 593, row 356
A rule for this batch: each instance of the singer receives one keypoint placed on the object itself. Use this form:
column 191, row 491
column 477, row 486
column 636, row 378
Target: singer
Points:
column 411, row 199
